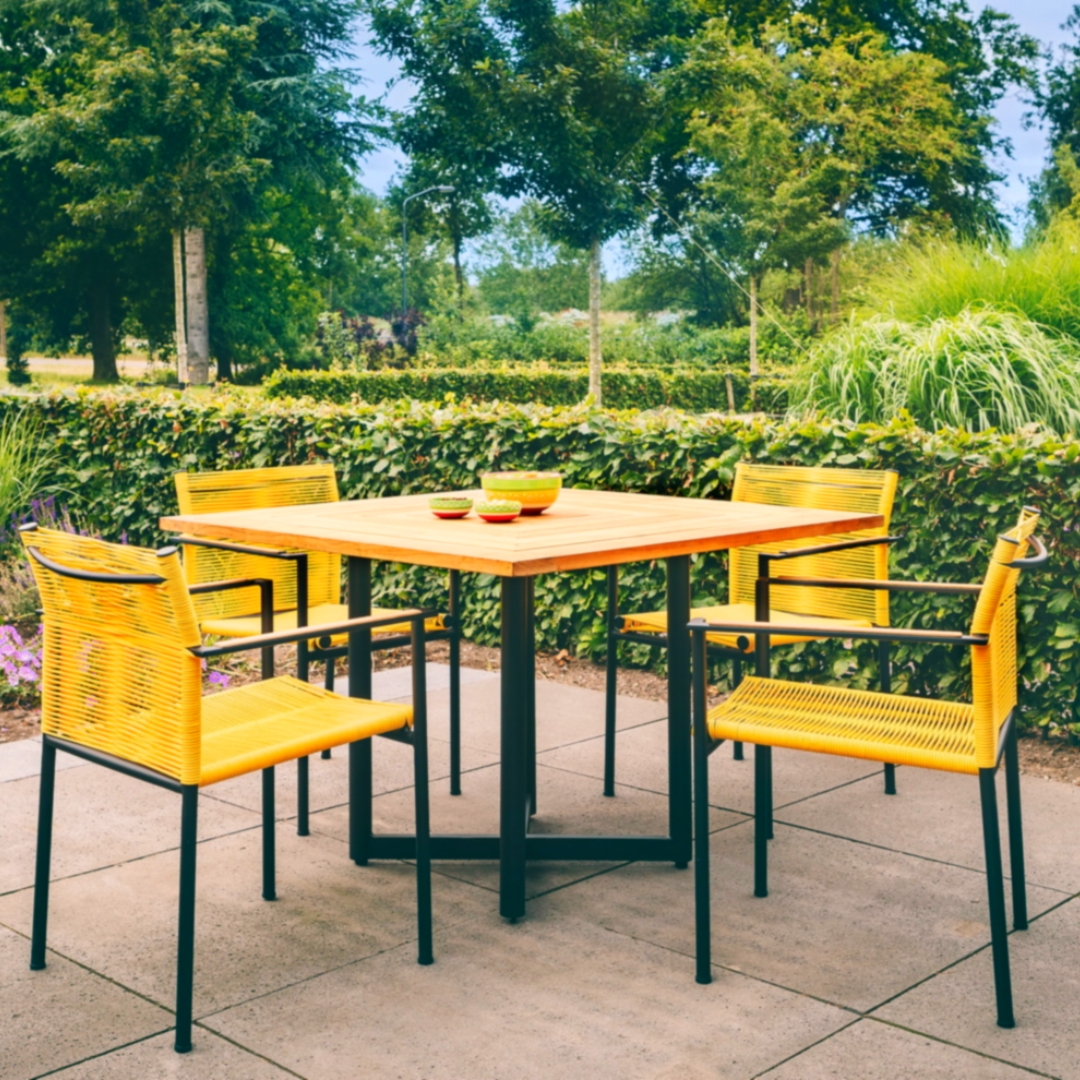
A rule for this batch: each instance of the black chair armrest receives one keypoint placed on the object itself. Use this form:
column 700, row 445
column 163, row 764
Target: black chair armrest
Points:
column 823, row 549
column 885, row 586
column 871, row 633
column 240, row 549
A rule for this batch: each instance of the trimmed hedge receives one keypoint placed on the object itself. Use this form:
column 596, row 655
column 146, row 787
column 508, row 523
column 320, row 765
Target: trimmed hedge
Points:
column 957, row 491
column 624, row 388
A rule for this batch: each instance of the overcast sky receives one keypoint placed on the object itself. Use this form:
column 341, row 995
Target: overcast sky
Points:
column 1040, row 18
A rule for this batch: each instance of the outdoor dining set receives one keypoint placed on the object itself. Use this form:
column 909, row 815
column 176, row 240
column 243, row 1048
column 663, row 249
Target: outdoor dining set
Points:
column 260, row 560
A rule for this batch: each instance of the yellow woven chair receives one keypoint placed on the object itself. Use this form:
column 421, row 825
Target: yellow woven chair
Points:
column 862, row 555
column 122, row 686
column 300, row 588
column 949, row 735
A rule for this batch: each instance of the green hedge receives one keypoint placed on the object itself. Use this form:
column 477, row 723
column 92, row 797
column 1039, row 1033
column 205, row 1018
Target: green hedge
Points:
column 956, row 491
column 623, row 388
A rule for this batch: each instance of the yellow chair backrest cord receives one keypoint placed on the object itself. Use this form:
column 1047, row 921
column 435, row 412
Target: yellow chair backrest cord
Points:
column 852, row 490
column 117, row 673
column 994, row 672
column 248, row 489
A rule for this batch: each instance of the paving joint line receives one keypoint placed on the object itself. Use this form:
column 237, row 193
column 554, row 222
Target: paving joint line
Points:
column 808, row 1047
column 913, row 855
column 104, row 1053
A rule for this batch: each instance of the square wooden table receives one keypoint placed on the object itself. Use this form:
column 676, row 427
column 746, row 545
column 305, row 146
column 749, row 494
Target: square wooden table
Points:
column 584, row 529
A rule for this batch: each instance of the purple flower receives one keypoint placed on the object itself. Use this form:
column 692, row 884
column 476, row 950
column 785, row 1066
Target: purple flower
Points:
column 220, row 678
column 27, row 674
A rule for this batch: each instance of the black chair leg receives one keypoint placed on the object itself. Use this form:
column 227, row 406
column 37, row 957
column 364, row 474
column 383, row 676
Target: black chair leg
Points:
column 702, row 904
column 328, row 683
column 1016, row 831
column 890, row 779
column 736, row 678
column 269, row 891
column 762, row 820
column 455, row 681
column 995, row 884
column 425, row 950
column 302, row 798
column 765, row 752
column 44, row 855
column 612, row 683
column 185, row 958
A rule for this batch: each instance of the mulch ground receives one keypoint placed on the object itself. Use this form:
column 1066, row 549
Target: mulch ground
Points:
column 1051, row 758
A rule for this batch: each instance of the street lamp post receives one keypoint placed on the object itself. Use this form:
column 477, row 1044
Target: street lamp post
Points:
column 445, row 189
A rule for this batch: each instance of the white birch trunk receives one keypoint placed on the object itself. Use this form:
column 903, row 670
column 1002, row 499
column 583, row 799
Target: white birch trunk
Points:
column 179, row 293
column 754, row 370
column 594, row 322
column 198, row 323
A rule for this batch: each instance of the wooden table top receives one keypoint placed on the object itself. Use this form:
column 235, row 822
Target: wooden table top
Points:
column 583, row 529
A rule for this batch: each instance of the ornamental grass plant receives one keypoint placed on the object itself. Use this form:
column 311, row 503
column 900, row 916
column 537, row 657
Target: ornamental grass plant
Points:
column 975, row 370
column 1040, row 281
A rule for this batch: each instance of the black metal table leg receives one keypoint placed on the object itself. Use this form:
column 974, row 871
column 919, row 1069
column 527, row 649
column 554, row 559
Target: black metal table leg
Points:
column 514, row 796
column 530, row 693
column 360, row 779
column 678, row 615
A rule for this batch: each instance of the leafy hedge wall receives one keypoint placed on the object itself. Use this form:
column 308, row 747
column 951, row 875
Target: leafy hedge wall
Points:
column 957, row 490
column 624, row 388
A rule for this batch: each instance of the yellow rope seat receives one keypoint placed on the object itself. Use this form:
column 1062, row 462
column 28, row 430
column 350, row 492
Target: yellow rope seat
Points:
column 267, row 723
column 850, row 490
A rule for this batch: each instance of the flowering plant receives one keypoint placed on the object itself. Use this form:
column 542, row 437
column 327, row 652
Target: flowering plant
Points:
column 20, row 667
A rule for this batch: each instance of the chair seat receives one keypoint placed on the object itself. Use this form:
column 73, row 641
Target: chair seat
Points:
column 266, row 723
column 318, row 615
column 889, row 728
column 655, row 622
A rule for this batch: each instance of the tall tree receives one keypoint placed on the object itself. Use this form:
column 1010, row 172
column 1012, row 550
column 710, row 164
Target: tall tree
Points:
column 560, row 103
column 178, row 114
column 798, row 132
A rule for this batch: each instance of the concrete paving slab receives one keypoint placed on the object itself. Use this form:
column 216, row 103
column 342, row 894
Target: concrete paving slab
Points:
column 938, row 815
column 958, row 1004
column 121, row 921
column 211, row 1058
column 550, row 997
column 870, row 1050
column 641, row 761
column 63, row 1014
column 564, row 714
column 328, row 783
column 845, row 922
column 22, row 758
column 394, row 684
column 567, row 803
column 101, row 817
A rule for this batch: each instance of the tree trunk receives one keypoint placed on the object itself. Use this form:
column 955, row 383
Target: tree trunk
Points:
column 459, row 275
column 179, row 294
column 808, row 285
column 3, row 330
column 754, row 372
column 198, row 323
column 836, row 285
column 102, row 345
column 594, row 322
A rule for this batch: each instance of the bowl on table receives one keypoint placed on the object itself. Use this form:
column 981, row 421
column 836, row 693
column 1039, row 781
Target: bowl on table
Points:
column 536, row 491
column 496, row 510
column 449, row 507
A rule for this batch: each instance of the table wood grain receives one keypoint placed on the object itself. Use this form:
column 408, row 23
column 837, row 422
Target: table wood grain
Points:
column 584, row 529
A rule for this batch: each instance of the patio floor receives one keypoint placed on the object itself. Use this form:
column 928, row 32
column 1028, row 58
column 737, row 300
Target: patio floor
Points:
column 869, row 959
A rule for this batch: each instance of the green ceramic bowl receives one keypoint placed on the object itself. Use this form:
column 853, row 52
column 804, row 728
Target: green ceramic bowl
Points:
column 450, row 506
column 536, row 491
column 498, row 509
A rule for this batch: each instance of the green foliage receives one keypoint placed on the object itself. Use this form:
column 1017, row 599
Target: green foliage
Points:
column 624, row 388
column 1040, row 281
column 974, row 370
column 27, row 460
column 119, row 450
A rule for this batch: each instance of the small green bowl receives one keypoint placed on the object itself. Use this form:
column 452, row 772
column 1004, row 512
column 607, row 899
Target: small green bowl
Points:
column 495, row 510
column 449, row 507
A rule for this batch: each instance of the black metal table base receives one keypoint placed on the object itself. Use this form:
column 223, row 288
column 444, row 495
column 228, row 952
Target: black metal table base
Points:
column 515, row 846
column 557, row 847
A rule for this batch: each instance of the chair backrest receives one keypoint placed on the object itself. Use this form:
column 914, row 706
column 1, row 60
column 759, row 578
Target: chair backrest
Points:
column 855, row 490
column 249, row 489
column 993, row 666
column 117, row 673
